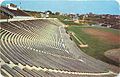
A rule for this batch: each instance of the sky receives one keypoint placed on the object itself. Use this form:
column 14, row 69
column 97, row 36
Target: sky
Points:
column 69, row 6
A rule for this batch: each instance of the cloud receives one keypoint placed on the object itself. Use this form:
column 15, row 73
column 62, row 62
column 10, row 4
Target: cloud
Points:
column 1, row 1
column 118, row 2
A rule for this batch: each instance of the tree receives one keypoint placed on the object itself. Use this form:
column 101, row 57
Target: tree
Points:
column 50, row 12
column 57, row 13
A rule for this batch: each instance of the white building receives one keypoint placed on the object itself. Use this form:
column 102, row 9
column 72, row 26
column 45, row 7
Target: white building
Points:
column 45, row 15
column 11, row 6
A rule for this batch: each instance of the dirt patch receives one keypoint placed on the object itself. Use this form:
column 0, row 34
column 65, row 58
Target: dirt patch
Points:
column 113, row 54
column 107, row 36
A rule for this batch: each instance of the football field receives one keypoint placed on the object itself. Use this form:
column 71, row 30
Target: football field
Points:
column 99, row 40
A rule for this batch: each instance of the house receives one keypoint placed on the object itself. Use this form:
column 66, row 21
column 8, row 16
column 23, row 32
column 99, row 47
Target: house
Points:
column 45, row 15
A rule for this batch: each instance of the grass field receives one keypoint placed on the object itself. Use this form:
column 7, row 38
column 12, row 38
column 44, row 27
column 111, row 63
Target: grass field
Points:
column 98, row 39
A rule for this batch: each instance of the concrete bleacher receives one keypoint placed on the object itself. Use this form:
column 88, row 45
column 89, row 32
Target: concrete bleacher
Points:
column 3, row 16
column 14, row 12
column 34, row 48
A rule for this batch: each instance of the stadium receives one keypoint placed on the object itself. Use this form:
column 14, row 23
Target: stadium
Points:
column 41, row 47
